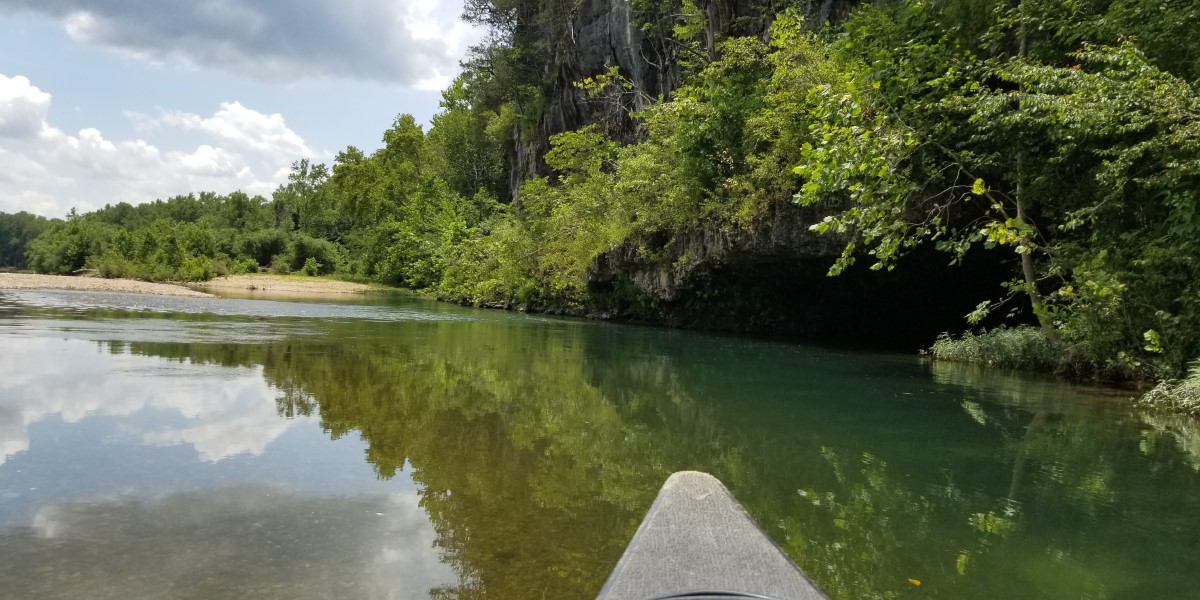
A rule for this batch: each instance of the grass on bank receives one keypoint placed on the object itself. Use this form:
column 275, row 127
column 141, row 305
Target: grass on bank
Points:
column 1178, row 396
column 1024, row 348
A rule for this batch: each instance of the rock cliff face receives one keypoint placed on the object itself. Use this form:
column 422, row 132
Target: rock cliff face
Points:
column 768, row 278
column 772, row 279
column 603, row 34
column 611, row 33
column 670, row 272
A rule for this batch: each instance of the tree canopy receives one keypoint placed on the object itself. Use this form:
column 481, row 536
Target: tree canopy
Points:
column 1060, row 137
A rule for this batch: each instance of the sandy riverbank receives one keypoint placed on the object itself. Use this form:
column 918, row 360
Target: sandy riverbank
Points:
column 23, row 281
column 239, row 285
column 275, row 285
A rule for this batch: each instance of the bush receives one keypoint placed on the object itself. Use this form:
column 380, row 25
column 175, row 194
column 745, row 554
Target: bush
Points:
column 151, row 272
column 221, row 266
column 324, row 252
column 246, row 265
column 281, row 264
column 64, row 247
column 1023, row 347
column 1181, row 396
column 311, row 267
column 196, row 268
column 111, row 266
column 263, row 245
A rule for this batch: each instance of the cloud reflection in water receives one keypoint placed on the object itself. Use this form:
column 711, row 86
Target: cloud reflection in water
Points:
column 240, row 542
column 219, row 411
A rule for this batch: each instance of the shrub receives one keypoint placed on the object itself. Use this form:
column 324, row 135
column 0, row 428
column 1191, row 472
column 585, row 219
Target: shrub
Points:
column 151, row 272
column 281, row 264
column 196, row 268
column 246, row 265
column 65, row 247
column 1181, row 396
column 263, row 245
column 110, row 266
column 324, row 252
column 1021, row 347
column 311, row 267
column 221, row 265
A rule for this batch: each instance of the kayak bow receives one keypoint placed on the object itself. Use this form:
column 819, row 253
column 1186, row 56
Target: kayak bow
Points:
column 697, row 542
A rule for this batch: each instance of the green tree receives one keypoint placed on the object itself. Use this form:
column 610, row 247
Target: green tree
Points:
column 1079, row 162
column 16, row 232
column 467, row 144
column 301, row 204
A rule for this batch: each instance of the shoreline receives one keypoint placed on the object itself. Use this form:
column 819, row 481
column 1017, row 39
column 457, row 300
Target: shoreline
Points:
column 26, row 281
column 277, row 286
column 246, row 286
column 283, row 285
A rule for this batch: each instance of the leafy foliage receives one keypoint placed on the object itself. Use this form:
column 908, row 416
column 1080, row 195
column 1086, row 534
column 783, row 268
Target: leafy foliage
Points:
column 1181, row 396
column 16, row 231
column 1063, row 135
column 1024, row 348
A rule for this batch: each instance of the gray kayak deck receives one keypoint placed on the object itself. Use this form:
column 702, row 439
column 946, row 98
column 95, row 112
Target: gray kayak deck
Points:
column 697, row 539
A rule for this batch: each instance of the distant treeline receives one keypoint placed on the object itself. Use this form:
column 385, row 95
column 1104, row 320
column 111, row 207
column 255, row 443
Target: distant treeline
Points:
column 1066, row 135
column 186, row 238
column 16, row 231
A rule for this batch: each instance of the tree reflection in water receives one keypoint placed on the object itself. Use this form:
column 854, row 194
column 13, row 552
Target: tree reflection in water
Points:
column 540, row 448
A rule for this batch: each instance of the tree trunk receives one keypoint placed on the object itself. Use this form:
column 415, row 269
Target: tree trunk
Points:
column 1030, row 273
column 1027, row 245
column 1014, row 486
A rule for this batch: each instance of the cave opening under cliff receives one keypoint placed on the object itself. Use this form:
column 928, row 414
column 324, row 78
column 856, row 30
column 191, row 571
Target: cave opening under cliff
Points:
column 902, row 310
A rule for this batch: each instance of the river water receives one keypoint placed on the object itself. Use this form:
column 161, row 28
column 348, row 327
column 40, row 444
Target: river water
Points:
column 196, row 448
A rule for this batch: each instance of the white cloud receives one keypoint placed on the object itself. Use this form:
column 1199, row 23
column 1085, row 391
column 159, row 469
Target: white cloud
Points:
column 401, row 42
column 427, row 20
column 23, row 107
column 238, row 126
column 208, row 161
column 38, row 203
column 46, row 170
column 18, row 169
column 90, row 150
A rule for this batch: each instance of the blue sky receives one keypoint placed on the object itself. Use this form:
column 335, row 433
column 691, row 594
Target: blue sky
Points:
column 103, row 101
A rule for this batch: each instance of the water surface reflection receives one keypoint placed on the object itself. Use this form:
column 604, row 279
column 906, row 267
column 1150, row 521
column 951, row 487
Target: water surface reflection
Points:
column 246, row 541
column 218, row 411
column 529, row 449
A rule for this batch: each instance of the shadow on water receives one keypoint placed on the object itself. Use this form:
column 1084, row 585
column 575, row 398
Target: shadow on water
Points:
column 538, row 445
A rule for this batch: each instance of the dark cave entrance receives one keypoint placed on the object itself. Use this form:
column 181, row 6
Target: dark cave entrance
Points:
column 903, row 310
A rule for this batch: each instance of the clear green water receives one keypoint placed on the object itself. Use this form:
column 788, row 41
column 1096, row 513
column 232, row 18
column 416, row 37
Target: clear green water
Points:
column 178, row 448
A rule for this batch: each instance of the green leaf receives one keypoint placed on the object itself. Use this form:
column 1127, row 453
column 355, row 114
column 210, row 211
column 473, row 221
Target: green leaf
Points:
column 979, row 188
column 1153, row 341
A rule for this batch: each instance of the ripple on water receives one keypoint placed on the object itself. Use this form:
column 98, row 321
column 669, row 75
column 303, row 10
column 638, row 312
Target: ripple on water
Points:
column 139, row 317
column 382, row 310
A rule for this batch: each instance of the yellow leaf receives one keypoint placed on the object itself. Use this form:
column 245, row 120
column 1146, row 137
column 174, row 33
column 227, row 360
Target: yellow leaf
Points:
column 916, row 582
column 979, row 188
